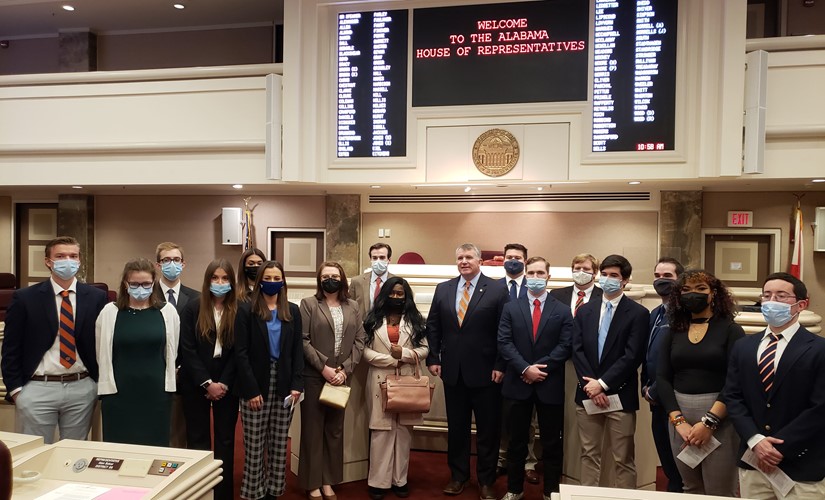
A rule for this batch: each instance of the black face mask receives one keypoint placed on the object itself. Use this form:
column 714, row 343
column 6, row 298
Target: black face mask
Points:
column 330, row 285
column 251, row 272
column 694, row 302
column 664, row 286
column 395, row 303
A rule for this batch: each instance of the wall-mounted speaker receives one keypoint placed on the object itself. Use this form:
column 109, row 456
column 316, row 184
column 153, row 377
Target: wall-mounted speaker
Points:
column 231, row 226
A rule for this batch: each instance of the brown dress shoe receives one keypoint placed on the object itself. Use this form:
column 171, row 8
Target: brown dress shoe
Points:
column 486, row 492
column 531, row 476
column 454, row 487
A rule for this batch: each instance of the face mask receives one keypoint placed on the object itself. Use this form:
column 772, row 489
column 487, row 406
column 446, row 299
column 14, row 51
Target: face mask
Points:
column 271, row 287
column 395, row 303
column 65, row 269
column 514, row 267
column 251, row 272
column 171, row 270
column 140, row 294
column 379, row 267
column 776, row 313
column 330, row 285
column 582, row 278
column 536, row 285
column 664, row 286
column 694, row 302
column 220, row 289
column 610, row 285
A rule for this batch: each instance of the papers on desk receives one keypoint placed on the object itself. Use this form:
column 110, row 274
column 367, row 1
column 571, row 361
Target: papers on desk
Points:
column 74, row 492
column 693, row 455
column 777, row 478
column 614, row 404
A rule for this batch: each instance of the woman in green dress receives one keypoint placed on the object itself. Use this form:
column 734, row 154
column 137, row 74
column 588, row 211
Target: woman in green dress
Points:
column 137, row 341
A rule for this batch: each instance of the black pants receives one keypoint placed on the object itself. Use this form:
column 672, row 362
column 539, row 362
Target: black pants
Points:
column 551, row 428
column 462, row 404
column 660, row 426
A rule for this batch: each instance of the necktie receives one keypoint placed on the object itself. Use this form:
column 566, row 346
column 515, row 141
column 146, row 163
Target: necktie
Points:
column 66, row 331
column 171, row 294
column 536, row 317
column 656, row 326
column 767, row 367
column 465, row 301
column 513, row 291
column 604, row 326
column 377, row 288
column 579, row 302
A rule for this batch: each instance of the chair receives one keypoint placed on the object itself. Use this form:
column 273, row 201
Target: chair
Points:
column 411, row 258
column 8, row 281
column 5, row 301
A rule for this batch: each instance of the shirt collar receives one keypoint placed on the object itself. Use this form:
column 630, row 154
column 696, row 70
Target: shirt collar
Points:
column 165, row 289
column 542, row 298
column 615, row 301
column 518, row 280
column 474, row 281
column 787, row 333
column 374, row 276
column 57, row 288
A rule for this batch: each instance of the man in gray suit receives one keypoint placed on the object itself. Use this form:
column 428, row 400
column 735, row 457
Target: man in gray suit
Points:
column 364, row 287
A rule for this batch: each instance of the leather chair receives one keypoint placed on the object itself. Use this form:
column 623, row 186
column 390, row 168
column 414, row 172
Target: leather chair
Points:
column 411, row 258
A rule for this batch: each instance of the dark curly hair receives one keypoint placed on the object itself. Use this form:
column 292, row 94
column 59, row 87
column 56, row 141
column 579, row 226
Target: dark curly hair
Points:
column 722, row 303
column 410, row 313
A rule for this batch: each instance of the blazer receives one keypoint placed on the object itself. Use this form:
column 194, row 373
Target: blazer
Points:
column 472, row 348
column 565, row 295
column 186, row 296
column 793, row 410
column 551, row 347
column 650, row 365
column 252, row 354
column 31, row 328
column 197, row 361
column 522, row 289
column 624, row 349
column 359, row 291
column 319, row 336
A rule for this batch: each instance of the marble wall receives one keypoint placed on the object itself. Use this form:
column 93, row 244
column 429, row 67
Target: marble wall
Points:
column 343, row 226
column 680, row 235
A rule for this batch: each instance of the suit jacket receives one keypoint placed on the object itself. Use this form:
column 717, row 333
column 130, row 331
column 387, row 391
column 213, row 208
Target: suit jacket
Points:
column 648, row 377
column 319, row 336
column 359, row 291
column 565, row 295
column 793, row 410
column 551, row 347
column 186, row 296
column 624, row 349
column 198, row 363
column 470, row 349
column 31, row 328
column 252, row 354
column 522, row 289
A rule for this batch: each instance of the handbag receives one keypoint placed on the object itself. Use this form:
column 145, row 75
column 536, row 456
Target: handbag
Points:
column 335, row 396
column 407, row 393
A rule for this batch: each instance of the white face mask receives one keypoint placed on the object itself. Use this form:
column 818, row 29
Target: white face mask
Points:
column 582, row 278
column 379, row 267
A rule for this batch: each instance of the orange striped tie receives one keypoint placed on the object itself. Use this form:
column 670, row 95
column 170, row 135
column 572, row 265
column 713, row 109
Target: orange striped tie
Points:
column 66, row 329
column 465, row 301
column 767, row 366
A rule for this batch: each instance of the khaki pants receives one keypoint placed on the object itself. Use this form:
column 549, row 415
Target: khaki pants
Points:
column 754, row 485
column 389, row 456
column 620, row 426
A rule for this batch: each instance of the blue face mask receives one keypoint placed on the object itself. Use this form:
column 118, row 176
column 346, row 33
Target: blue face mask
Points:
column 140, row 294
column 65, row 269
column 379, row 267
column 171, row 270
column 536, row 285
column 610, row 285
column 271, row 287
column 776, row 313
column 219, row 289
column 514, row 267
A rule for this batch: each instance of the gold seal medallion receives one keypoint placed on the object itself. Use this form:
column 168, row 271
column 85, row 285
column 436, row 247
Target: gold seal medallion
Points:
column 495, row 152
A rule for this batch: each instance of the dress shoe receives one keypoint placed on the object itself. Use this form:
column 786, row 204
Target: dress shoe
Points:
column 401, row 491
column 333, row 496
column 314, row 497
column 376, row 493
column 486, row 492
column 455, row 487
column 512, row 496
column 531, row 476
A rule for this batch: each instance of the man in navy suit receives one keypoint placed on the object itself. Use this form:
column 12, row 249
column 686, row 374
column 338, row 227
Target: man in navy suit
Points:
column 775, row 395
column 49, row 363
column 665, row 273
column 608, row 347
column 462, row 330
column 534, row 339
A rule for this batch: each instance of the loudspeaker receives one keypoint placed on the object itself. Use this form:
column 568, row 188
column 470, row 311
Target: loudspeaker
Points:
column 231, row 226
column 756, row 99
column 819, row 229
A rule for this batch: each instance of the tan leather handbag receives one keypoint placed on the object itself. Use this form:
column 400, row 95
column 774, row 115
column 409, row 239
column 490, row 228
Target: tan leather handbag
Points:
column 335, row 396
column 407, row 393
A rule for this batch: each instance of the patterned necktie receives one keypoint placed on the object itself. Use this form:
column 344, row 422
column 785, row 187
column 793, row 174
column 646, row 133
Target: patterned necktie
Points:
column 604, row 326
column 513, row 291
column 68, row 354
column 171, row 294
column 465, row 301
column 767, row 367
column 377, row 288
column 579, row 302
column 536, row 317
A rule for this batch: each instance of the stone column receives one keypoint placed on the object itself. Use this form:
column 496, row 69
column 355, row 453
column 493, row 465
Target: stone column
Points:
column 681, row 227
column 76, row 217
column 77, row 51
column 343, row 227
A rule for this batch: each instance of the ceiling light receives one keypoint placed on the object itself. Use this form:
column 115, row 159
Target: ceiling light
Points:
column 818, row 180
column 179, row 6
column 634, row 183
column 237, row 186
column 468, row 189
column 68, row 7
column 375, row 186
column 540, row 188
column 77, row 187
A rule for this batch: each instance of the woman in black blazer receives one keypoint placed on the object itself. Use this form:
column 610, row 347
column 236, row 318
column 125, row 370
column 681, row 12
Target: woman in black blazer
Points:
column 207, row 372
column 270, row 380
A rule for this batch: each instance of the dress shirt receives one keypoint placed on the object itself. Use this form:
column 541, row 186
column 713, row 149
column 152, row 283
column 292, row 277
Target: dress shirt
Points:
column 373, row 277
column 218, row 348
column 518, row 281
column 615, row 303
column 50, row 364
column 459, row 292
column 585, row 299
column 165, row 289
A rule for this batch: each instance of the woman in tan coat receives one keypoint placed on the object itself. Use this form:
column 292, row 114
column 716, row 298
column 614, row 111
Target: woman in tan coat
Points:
column 396, row 333
column 333, row 332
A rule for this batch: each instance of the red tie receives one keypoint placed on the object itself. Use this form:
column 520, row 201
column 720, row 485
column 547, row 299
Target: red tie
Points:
column 579, row 302
column 536, row 317
column 377, row 288
column 66, row 331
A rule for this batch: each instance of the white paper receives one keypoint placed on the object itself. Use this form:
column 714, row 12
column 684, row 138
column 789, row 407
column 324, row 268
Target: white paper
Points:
column 777, row 478
column 74, row 492
column 289, row 404
column 693, row 455
column 614, row 404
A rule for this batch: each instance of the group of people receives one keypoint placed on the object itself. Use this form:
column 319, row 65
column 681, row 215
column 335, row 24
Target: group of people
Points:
column 498, row 345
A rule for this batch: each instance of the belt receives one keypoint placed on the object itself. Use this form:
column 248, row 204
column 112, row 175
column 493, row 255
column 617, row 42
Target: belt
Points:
column 72, row 377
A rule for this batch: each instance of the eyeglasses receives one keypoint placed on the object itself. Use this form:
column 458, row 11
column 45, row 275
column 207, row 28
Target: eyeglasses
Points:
column 145, row 284
column 166, row 260
column 779, row 297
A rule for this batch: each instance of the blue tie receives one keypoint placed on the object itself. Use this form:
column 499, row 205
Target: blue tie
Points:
column 513, row 293
column 605, row 326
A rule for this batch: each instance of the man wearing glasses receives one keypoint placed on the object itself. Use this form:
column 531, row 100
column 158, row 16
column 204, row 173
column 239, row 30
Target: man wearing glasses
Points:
column 776, row 396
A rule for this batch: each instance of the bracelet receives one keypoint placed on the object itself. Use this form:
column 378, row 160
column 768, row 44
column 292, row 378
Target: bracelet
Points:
column 711, row 421
column 678, row 420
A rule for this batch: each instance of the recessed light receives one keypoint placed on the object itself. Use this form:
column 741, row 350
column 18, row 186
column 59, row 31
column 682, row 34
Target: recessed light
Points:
column 237, row 186
column 468, row 189
column 818, row 180
column 68, row 7
column 634, row 183
column 375, row 186
column 540, row 188
column 77, row 187
column 179, row 6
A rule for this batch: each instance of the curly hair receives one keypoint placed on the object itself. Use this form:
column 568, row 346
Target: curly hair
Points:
column 722, row 303
column 410, row 313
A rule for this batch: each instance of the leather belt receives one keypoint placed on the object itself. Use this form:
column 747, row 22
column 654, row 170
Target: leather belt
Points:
column 72, row 377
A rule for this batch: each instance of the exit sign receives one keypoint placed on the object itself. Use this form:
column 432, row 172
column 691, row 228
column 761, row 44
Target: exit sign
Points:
column 740, row 218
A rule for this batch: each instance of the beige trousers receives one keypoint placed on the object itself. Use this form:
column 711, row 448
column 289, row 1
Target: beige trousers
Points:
column 620, row 427
column 754, row 485
column 389, row 456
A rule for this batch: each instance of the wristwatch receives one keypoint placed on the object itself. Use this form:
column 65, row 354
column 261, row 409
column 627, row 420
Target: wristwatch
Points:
column 206, row 384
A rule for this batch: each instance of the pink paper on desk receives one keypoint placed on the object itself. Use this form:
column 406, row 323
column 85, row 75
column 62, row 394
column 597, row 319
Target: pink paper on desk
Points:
column 124, row 494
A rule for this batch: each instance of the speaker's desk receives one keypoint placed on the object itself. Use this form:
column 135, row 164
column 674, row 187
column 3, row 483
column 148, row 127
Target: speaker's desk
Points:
column 116, row 471
column 20, row 444
column 574, row 492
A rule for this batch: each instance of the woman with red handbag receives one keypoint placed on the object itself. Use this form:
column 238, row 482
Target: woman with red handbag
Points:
column 396, row 337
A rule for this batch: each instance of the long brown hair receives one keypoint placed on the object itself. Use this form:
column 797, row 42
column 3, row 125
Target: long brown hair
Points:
column 259, row 307
column 342, row 292
column 138, row 266
column 243, row 282
column 206, row 316
column 722, row 304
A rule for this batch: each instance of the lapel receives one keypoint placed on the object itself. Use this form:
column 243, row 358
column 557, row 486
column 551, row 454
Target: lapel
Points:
column 527, row 312
column 452, row 289
column 656, row 324
column 80, row 294
column 545, row 316
column 477, row 296
column 590, row 330
column 49, row 305
column 751, row 367
column 322, row 305
column 800, row 343
column 616, row 324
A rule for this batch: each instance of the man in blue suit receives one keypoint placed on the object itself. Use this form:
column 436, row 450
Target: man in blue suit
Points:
column 775, row 395
column 49, row 363
column 534, row 339
column 665, row 273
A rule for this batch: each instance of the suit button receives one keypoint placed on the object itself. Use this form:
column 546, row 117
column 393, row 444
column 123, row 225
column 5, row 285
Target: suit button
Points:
column 767, row 427
column 769, row 405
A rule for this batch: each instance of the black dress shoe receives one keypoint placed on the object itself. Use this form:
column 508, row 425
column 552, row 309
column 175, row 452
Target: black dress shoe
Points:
column 401, row 491
column 376, row 493
column 455, row 487
column 486, row 492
